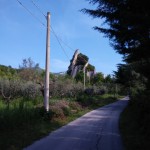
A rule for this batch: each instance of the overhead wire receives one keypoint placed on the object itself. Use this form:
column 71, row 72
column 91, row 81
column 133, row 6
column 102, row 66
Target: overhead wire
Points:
column 61, row 39
column 38, row 8
column 31, row 13
column 57, row 38
column 42, row 22
column 59, row 42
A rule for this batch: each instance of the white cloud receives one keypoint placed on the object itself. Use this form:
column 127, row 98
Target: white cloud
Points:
column 57, row 65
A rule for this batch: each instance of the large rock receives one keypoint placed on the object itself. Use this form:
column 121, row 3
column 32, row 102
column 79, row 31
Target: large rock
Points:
column 79, row 62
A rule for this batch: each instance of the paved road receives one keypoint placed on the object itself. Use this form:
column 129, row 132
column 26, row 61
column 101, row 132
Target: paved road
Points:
column 97, row 130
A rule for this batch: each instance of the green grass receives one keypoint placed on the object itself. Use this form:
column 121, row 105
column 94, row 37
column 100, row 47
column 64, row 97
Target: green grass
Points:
column 24, row 121
column 96, row 101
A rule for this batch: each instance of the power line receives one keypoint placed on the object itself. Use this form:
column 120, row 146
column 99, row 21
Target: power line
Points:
column 59, row 42
column 43, row 24
column 31, row 13
column 62, row 40
column 38, row 8
column 59, row 39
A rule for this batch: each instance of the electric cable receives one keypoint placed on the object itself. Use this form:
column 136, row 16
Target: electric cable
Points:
column 57, row 38
column 31, row 13
column 38, row 8
column 59, row 42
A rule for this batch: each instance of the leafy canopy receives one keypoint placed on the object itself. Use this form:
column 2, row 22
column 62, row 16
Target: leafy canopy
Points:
column 128, row 28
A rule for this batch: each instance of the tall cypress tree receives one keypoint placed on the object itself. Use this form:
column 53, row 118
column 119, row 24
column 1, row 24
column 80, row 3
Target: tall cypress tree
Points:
column 128, row 28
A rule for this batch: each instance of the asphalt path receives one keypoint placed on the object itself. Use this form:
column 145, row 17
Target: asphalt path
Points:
column 96, row 130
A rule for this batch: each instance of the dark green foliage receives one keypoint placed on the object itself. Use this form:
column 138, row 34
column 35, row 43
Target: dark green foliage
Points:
column 80, row 76
column 95, row 101
column 75, row 106
column 65, row 87
column 7, row 72
column 98, row 78
column 20, row 120
column 90, row 67
column 108, row 79
column 82, row 59
column 11, row 89
column 132, row 81
column 135, row 123
column 128, row 29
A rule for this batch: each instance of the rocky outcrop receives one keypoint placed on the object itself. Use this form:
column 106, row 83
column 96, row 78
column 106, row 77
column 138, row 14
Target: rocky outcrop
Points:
column 79, row 62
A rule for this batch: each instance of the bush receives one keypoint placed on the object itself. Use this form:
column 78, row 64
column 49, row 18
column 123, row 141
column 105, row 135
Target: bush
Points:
column 15, row 88
column 60, row 109
column 57, row 112
column 89, row 91
column 84, row 99
column 30, row 90
column 10, row 89
column 138, row 114
column 75, row 106
column 65, row 88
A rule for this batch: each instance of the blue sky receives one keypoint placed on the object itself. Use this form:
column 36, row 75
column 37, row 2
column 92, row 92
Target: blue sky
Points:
column 23, row 36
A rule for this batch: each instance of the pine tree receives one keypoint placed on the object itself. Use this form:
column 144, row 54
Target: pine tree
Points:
column 128, row 28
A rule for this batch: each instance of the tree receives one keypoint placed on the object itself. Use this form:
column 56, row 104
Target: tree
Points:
column 130, row 79
column 30, row 71
column 90, row 67
column 80, row 76
column 82, row 59
column 128, row 28
column 7, row 72
column 98, row 78
column 28, row 63
column 108, row 79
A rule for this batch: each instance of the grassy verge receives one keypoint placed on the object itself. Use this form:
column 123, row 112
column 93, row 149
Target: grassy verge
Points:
column 134, row 126
column 93, row 102
column 22, row 123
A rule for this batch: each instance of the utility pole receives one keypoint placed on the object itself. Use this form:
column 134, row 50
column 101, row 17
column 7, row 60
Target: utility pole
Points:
column 84, row 78
column 84, row 73
column 47, row 62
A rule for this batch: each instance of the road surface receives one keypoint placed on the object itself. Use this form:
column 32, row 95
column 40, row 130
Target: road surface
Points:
column 96, row 130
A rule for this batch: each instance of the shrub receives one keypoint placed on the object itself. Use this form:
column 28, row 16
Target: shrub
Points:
column 89, row 91
column 15, row 88
column 30, row 90
column 60, row 109
column 57, row 112
column 75, row 106
column 84, row 99
column 65, row 88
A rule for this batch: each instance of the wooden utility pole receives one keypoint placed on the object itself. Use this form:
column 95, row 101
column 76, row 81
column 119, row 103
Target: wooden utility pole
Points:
column 46, row 87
